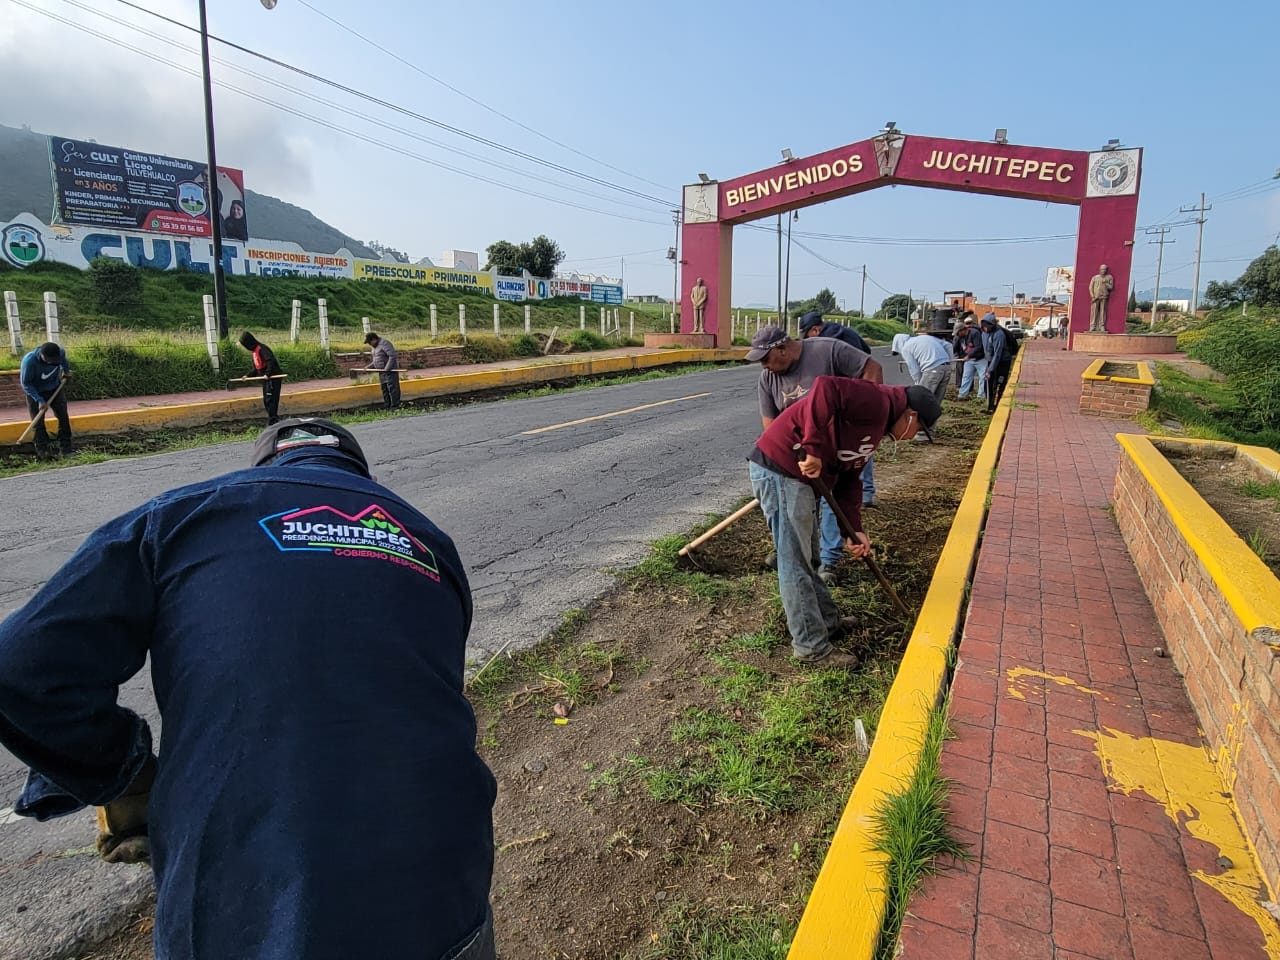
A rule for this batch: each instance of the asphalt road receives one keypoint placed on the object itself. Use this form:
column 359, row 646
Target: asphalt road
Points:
column 543, row 497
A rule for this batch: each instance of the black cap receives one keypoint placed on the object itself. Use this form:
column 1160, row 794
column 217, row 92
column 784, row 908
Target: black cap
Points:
column 810, row 320
column 299, row 432
column 926, row 406
column 49, row 351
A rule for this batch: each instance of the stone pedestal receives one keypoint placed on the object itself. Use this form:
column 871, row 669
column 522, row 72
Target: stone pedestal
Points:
column 694, row 341
column 1125, row 344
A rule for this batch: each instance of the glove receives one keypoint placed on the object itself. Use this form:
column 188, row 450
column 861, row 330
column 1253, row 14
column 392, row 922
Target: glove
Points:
column 122, row 823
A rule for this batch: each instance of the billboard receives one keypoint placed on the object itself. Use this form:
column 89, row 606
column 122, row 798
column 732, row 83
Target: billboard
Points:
column 101, row 186
column 1058, row 282
column 413, row 273
column 26, row 240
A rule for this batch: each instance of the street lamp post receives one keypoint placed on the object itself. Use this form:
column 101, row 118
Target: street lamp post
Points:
column 211, row 181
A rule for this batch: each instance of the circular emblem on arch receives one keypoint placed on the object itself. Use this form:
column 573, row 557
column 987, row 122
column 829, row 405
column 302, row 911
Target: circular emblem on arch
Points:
column 21, row 245
column 1113, row 173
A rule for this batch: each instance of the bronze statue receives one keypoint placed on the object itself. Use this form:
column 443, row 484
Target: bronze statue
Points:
column 698, row 297
column 1100, row 288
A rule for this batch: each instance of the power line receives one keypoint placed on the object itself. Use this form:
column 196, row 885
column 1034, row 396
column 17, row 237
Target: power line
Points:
column 388, row 105
column 328, row 124
column 371, row 120
column 496, row 112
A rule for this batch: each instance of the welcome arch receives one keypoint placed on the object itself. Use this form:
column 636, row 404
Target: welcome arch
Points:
column 1103, row 184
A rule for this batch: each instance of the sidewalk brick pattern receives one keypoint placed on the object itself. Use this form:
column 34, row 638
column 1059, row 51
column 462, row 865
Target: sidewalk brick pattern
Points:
column 1062, row 866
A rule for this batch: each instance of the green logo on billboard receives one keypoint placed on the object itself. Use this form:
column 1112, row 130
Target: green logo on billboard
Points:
column 21, row 245
column 191, row 198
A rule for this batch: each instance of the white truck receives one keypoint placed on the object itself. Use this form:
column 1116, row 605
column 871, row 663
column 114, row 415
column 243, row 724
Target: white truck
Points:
column 1014, row 326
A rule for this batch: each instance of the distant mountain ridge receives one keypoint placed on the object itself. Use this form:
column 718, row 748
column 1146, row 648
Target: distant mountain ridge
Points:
column 25, row 187
column 1167, row 293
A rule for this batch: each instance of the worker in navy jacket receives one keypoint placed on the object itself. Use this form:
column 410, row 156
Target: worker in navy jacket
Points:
column 43, row 371
column 318, row 795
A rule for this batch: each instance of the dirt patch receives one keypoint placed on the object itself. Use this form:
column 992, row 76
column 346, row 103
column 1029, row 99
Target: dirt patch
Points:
column 1119, row 368
column 1250, row 506
column 620, row 832
column 669, row 779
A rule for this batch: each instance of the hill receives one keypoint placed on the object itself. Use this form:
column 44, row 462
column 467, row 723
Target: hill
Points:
column 26, row 187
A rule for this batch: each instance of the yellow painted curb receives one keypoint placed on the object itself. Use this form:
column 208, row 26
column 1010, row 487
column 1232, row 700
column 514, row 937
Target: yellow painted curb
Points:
column 1247, row 584
column 304, row 402
column 847, row 904
column 1146, row 375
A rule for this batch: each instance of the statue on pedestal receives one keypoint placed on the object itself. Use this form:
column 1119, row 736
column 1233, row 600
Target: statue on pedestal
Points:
column 698, row 297
column 1100, row 288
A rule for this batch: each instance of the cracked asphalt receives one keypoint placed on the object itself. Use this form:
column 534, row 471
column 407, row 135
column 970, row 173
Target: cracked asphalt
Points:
column 540, row 520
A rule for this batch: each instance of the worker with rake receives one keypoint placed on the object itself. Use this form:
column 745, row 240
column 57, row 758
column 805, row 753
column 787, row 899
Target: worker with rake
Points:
column 818, row 446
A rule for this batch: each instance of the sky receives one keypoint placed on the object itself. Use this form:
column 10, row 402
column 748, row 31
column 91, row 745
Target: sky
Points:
column 645, row 96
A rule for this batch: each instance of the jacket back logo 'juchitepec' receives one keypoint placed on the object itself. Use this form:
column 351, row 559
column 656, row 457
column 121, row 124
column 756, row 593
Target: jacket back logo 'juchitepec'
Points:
column 371, row 534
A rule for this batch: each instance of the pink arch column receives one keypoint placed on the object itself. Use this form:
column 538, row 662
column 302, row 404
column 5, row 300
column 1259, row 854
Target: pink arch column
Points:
column 708, row 253
column 1105, row 236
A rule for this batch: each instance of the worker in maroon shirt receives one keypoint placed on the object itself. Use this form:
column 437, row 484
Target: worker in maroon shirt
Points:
column 829, row 433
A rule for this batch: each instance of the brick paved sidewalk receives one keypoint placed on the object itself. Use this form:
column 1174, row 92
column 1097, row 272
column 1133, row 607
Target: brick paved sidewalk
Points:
column 78, row 407
column 1058, row 669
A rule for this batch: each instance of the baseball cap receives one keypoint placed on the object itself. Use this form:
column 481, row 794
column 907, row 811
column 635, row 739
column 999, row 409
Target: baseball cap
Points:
column 926, row 405
column 810, row 320
column 766, row 339
column 298, row 432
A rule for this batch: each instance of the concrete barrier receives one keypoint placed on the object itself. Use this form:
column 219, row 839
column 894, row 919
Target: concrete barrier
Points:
column 305, row 402
column 1219, row 608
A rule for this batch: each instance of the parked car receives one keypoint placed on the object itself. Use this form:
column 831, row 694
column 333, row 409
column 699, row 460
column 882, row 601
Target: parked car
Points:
column 1014, row 326
column 1046, row 327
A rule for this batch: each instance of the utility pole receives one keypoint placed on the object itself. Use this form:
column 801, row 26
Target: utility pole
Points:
column 675, row 270
column 1013, row 295
column 1155, row 301
column 786, row 286
column 779, row 269
column 862, row 302
column 211, row 183
column 1199, row 211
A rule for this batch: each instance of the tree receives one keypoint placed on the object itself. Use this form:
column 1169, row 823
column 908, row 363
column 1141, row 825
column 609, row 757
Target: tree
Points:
column 1221, row 294
column 540, row 256
column 1260, row 282
column 824, row 302
column 504, row 257
column 1133, row 301
column 896, row 306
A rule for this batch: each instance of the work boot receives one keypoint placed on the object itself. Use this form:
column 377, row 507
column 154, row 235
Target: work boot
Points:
column 827, row 574
column 835, row 660
column 771, row 560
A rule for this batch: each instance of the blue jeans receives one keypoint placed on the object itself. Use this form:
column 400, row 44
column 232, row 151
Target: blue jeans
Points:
column 832, row 538
column 790, row 509
column 974, row 368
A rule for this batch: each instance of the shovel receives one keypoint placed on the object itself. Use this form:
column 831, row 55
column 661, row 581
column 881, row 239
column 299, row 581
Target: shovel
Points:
column 44, row 408
column 846, row 528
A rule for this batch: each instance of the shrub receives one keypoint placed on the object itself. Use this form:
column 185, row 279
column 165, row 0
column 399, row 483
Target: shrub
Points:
column 117, row 286
column 525, row 345
column 482, row 348
column 587, row 340
column 1247, row 350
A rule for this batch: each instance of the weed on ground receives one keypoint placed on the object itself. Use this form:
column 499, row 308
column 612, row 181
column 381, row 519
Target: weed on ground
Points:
column 669, row 777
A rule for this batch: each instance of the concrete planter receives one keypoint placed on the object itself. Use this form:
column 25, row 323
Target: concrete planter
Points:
column 1118, row 389
column 1219, row 608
